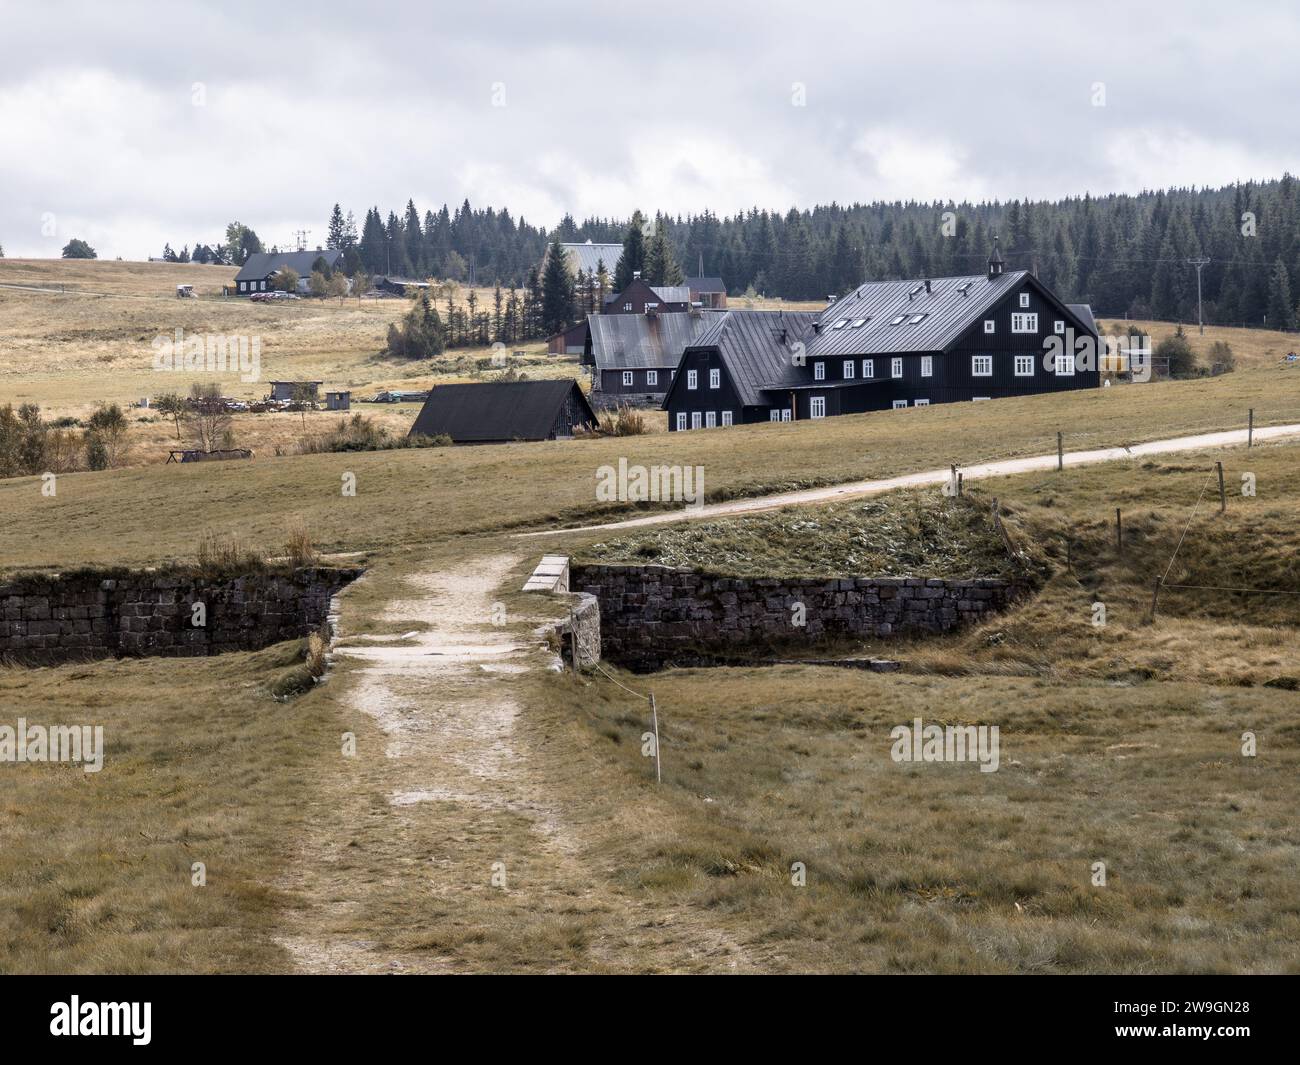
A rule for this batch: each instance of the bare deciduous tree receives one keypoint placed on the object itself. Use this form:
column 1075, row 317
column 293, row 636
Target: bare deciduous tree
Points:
column 206, row 418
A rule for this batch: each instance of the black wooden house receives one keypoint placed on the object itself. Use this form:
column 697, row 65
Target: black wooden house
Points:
column 885, row 345
column 497, row 412
column 632, row 357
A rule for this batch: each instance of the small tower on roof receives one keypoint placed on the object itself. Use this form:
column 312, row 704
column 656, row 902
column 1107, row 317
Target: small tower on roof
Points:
column 995, row 259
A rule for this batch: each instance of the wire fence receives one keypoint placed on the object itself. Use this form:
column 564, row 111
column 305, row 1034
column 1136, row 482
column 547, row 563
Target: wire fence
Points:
column 654, row 717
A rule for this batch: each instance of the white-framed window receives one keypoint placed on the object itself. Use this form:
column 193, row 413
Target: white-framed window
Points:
column 921, row 403
column 711, row 419
column 774, row 415
column 849, row 367
column 989, row 325
column 927, row 365
column 263, row 286
column 628, row 379
column 715, row 378
column 1058, row 326
column 681, row 421
column 1065, row 366
column 819, row 371
column 899, row 404
column 1024, row 366
column 785, row 414
column 243, row 286
column 1024, row 299
column 726, row 418
column 817, row 407
column 627, row 306
column 695, row 419
column 652, row 306
column 1024, row 323
column 652, row 377
column 981, row 365
column 895, row 367
column 868, row 367
column 692, row 378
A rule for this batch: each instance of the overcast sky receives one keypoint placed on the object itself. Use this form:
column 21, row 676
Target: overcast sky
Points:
column 130, row 124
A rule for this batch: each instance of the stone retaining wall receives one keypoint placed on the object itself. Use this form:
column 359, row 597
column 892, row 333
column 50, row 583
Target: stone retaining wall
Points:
column 586, row 626
column 51, row 620
column 653, row 614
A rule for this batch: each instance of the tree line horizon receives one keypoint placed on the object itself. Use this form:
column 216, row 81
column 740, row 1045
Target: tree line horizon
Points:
column 1127, row 255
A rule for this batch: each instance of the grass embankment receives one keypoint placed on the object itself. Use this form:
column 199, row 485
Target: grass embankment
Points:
column 1120, row 743
column 905, row 534
column 411, row 497
column 201, row 765
column 942, row 868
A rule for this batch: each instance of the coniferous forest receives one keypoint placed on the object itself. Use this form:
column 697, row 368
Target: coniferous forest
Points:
column 1125, row 255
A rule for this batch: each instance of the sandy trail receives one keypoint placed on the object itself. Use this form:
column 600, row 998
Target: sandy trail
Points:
column 857, row 489
column 462, row 787
column 449, row 734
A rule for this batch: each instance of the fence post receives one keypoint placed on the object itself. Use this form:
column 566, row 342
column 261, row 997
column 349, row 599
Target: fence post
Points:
column 1223, row 498
column 1060, row 451
column 1250, row 428
column 959, row 477
column 654, row 714
column 573, row 641
column 1119, row 533
column 1155, row 597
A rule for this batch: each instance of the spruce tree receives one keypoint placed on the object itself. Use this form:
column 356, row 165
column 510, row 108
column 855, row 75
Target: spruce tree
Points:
column 632, row 261
column 1281, row 308
column 335, row 234
column 557, row 291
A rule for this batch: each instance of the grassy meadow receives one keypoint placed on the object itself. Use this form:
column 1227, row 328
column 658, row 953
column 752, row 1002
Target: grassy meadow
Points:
column 1120, row 742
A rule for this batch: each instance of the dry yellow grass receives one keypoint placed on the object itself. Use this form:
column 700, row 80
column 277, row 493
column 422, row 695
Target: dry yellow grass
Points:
column 201, row 765
column 1251, row 347
column 1120, row 745
column 68, row 350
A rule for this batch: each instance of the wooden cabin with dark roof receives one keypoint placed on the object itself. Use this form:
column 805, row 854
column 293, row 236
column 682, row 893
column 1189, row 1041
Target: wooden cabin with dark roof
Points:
column 633, row 356
column 259, row 270
column 498, row 412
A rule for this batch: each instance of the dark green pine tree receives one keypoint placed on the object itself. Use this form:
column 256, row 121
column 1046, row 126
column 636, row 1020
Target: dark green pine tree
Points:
column 1281, row 309
column 336, row 235
column 413, row 238
column 374, row 243
column 661, row 266
column 532, row 316
column 557, row 291
column 632, row 261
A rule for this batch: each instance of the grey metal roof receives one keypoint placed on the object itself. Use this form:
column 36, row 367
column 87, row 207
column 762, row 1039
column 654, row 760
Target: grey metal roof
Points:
column 587, row 255
column 652, row 341
column 672, row 293
column 265, row 263
column 750, row 345
column 1083, row 312
column 951, row 306
column 705, row 284
column 497, row 410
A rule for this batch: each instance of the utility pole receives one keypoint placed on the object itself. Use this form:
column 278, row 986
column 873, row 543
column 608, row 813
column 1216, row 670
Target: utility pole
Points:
column 1199, row 262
